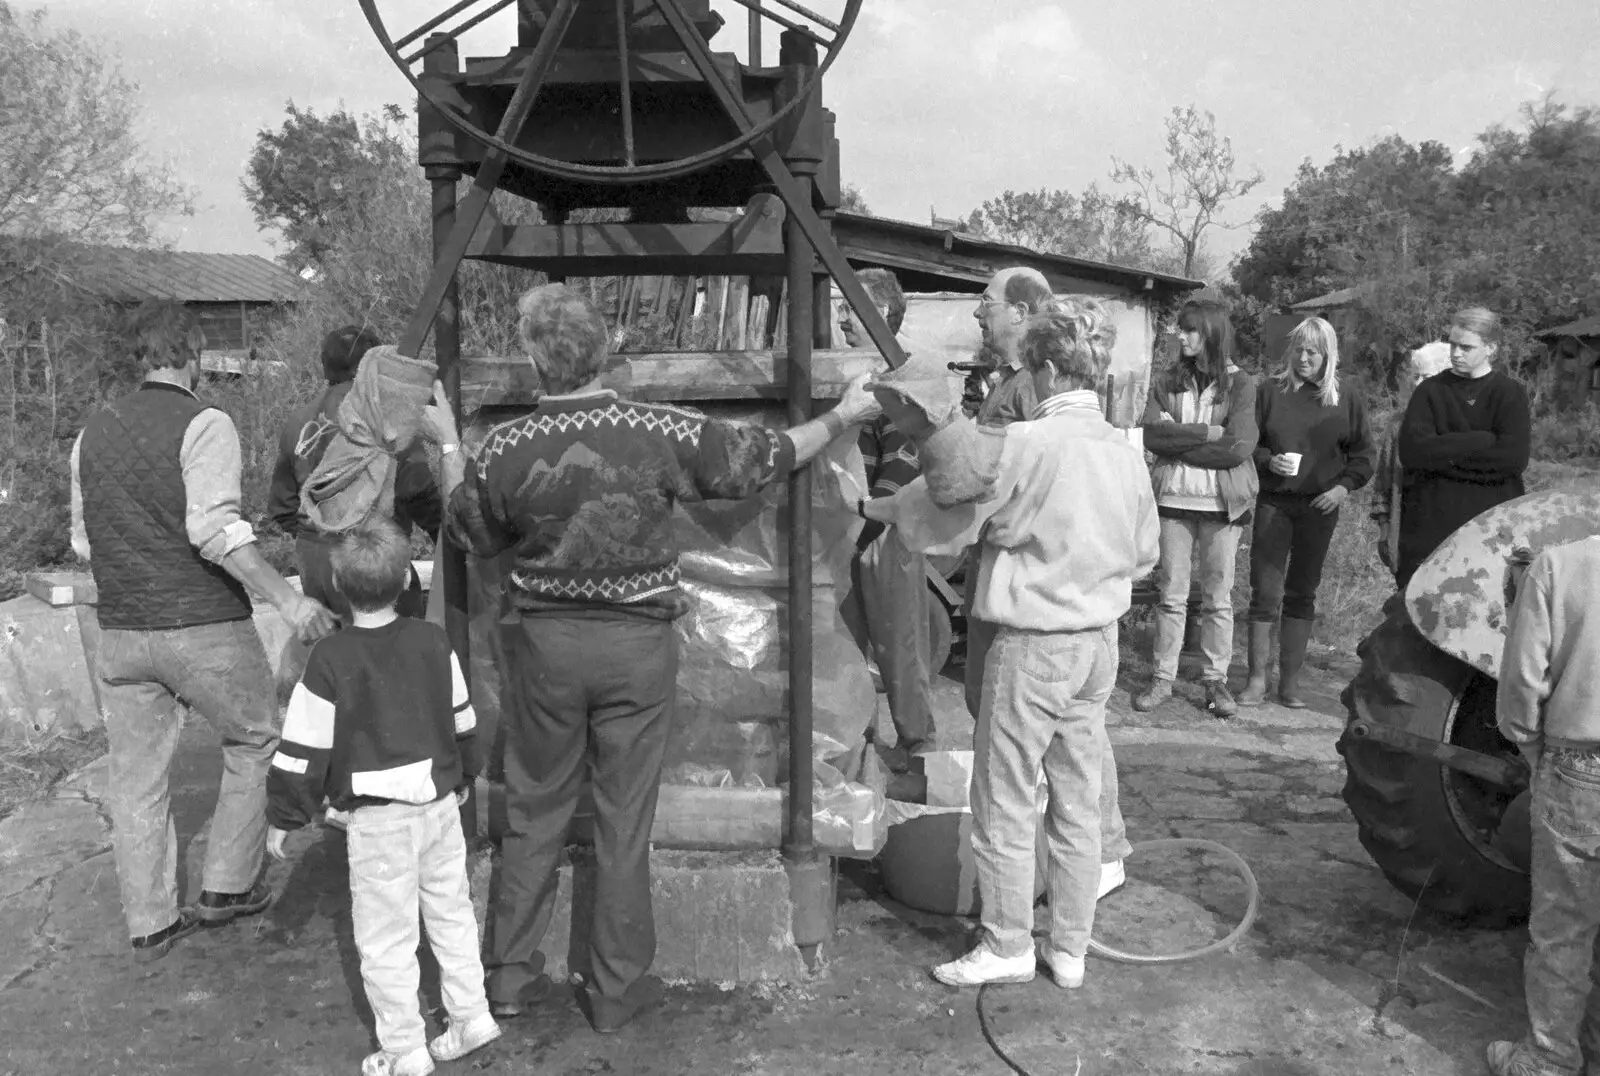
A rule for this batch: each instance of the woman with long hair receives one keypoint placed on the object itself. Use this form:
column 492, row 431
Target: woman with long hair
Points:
column 1464, row 441
column 1316, row 449
column 1200, row 423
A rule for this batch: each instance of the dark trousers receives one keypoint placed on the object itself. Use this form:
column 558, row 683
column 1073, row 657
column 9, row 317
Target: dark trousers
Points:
column 588, row 696
column 316, row 580
column 1288, row 546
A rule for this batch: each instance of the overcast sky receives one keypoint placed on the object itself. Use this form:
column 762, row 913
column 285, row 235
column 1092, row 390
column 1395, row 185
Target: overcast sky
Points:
column 941, row 103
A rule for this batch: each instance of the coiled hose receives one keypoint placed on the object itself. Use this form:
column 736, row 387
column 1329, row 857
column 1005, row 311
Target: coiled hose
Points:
column 1227, row 941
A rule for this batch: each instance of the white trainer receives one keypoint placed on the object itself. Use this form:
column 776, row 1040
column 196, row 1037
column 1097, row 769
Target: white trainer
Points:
column 1064, row 968
column 383, row 1063
column 459, row 1040
column 983, row 965
column 1112, row 878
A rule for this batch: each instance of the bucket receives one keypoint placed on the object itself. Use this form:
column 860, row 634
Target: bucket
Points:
column 926, row 862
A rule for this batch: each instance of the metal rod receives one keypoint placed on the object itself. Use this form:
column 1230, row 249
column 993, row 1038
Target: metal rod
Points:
column 808, row 13
column 801, row 291
column 443, row 16
column 755, row 34
column 458, row 31
column 796, row 198
column 452, row 584
column 626, row 82
column 1496, row 771
column 494, row 164
column 788, row 24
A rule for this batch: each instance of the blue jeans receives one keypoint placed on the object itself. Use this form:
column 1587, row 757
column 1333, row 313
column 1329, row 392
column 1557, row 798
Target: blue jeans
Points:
column 1114, row 844
column 407, row 859
column 219, row 671
column 1560, row 972
column 1044, row 701
column 1216, row 544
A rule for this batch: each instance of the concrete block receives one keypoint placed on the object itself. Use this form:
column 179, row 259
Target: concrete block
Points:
column 45, row 681
column 721, row 917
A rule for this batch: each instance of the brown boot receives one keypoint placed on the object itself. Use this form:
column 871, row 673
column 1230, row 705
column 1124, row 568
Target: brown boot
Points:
column 1259, row 648
column 1293, row 635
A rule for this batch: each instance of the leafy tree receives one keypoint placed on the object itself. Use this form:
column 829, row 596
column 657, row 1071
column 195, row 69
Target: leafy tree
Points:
column 1200, row 181
column 1092, row 225
column 316, row 176
column 71, row 170
column 851, row 200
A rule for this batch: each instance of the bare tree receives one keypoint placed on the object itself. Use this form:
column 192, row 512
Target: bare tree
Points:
column 71, row 170
column 1200, row 180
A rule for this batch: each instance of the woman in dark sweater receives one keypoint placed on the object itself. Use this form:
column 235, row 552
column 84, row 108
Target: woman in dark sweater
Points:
column 1464, row 441
column 1316, row 449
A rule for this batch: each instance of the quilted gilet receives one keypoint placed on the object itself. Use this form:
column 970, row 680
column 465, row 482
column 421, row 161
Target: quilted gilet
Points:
column 149, row 577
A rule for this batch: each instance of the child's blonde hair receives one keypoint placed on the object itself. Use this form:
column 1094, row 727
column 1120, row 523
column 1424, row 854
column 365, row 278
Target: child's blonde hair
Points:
column 371, row 565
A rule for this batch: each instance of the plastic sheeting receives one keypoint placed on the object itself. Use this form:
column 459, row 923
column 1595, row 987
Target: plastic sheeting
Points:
column 732, row 717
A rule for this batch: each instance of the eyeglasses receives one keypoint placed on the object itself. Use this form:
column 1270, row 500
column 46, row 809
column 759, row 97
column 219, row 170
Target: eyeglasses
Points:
column 989, row 301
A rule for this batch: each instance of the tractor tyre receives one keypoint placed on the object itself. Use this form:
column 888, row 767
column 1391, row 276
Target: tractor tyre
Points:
column 1430, row 829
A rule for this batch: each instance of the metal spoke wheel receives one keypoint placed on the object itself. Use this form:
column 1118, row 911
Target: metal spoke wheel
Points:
column 626, row 33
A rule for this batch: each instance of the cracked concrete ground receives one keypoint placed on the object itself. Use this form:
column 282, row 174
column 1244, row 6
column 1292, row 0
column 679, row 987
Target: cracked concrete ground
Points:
column 1338, row 976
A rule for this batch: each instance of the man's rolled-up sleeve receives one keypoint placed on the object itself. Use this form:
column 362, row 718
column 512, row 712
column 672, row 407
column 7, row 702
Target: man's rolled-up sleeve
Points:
column 80, row 532
column 1524, row 683
column 211, row 463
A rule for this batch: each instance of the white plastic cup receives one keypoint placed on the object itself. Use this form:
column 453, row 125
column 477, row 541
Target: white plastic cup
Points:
column 1294, row 462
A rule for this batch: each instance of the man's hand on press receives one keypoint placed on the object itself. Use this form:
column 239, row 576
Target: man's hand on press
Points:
column 438, row 421
column 310, row 619
column 858, row 405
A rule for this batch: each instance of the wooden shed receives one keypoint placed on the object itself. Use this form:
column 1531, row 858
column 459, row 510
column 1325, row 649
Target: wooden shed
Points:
column 234, row 296
column 1575, row 351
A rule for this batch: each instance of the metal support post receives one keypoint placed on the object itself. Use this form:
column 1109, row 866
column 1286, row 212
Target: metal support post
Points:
column 443, row 178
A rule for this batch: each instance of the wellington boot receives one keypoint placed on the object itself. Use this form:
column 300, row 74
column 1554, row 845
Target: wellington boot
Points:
column 1293, row 635
column 1260, row 652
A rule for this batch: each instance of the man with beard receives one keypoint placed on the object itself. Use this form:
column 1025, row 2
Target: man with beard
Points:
column 1014, row 296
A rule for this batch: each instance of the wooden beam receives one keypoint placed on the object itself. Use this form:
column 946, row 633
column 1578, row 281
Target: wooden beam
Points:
column 751, row 244
column 510, row 381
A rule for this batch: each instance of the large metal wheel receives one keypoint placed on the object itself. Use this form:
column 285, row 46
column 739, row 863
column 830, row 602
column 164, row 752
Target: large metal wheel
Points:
column 632, row 24
column 1435, row 832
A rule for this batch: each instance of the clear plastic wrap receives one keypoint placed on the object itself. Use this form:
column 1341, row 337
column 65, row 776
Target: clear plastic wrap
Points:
column 733, row 689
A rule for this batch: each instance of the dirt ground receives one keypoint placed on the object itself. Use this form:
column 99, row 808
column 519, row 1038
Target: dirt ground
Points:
column 1338, row 976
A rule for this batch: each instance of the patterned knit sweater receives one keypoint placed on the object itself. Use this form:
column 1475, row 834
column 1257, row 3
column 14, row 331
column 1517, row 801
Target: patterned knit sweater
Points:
column 582, row 490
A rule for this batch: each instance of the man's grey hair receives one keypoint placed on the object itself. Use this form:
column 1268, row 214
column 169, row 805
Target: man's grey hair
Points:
column 564, row 336
column 1056, row 339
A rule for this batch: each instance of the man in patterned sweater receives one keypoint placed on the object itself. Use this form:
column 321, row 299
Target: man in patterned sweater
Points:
column 583, row 490
column 891, row 616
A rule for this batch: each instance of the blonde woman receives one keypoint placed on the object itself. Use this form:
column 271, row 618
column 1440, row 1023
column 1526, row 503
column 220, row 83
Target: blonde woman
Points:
column 1316, row 449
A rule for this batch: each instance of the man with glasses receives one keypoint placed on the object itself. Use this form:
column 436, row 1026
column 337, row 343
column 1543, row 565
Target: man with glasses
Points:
column 1013, row 297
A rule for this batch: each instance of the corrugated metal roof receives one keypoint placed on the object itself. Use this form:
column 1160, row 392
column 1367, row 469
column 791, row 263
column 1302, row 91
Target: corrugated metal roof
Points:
column 1583, row 327
column 1342, row 297
column 129, row 275
column 959, row 256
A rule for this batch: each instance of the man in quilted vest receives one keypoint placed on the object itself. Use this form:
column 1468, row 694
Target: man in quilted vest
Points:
column 155, row 511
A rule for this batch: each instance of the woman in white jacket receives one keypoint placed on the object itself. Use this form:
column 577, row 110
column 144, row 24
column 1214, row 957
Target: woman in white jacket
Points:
column 1200, row 425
